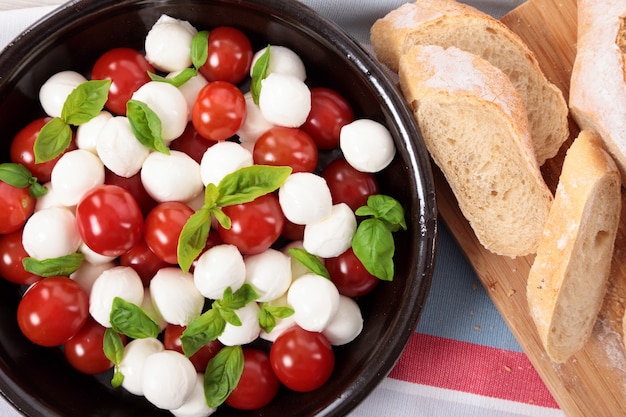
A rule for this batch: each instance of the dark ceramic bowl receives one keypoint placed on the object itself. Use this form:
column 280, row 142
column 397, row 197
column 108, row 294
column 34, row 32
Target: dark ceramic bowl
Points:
column 37, row 380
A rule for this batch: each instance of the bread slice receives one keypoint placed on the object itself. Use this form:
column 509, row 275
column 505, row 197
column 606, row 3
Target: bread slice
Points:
column 597, row 88
column 473, row 123
column 568, row 279
column 449, row 23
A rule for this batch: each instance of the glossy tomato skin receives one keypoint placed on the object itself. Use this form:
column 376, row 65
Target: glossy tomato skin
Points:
column 200, row 359
column 145, row 262
column 349, row 275
column 135, row 187
column 52, row 311
column 349, row 185
column 127, row 69
column 255, row 225
column 11, row 254
column 16, row 206
column 329, row 113
column 303, row 361
column 192, row 143
column 218, row 111
column 229, row 55
column 286, row 146
column 163, row 226
column 84, row 351
column 258, row 384
column 109, row 220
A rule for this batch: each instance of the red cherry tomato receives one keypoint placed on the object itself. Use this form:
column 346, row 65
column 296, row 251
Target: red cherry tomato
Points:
column 163, row 226
column 143, row 261
column 127, row 69
column 292, row 231
column 258, row 384
column 52, row 311
column 255, row 225
column 192, row 143
column 200, row 359
column 16, row 206
column 286, row 146
column 302, row 360
column 230, row 55
column 135, row 187
column 348, row 185
column 84, row 351
column 109, row 220
column 219, row 111
column 11, row 254
column 329, row 113
column 349, row 275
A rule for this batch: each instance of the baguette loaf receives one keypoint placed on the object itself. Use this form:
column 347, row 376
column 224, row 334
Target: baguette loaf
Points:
column 474, row 125
column 449, row 23
column 568, row 279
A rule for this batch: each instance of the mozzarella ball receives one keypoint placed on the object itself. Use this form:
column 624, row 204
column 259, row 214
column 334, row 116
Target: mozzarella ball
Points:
column 131, row 366
column 50, row 199
column 93, row 257
column 281, row 324
column 148, row 307
column 315, row 301
column 254, row 124
column 119, row 149
column 218, row 268
column 175, row 296
column 222, row 159
column 190, row 89
column 168, row 378
column 88, row 273
column 54, row 91
column 284, row 100
column 169, row 104
column 120, row 281
column 75, row 173
column 282, row 61
column 249, row 329
column 168, row 44
column 269, row 273
column 173, row 177
column 87, row 133
column 332, row 235
column 51, row 233
column 347, row 323
column 195, row 405
column 305, row 198
column 367, row 145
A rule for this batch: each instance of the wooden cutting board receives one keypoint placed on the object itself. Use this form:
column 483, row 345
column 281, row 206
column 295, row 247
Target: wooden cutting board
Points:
column 593, row 382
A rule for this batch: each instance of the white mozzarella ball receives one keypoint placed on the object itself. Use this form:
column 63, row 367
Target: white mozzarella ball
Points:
column 131, row 366
column 168, row 44
column 269, row 273
column 148, row 307
column 190, row 89
column 50, row 199
column 75, row 173
column 195, row 405
column 54, row 91
column 347, row 323
column 175, row 296
column 168, row 379
column 218, row 268
column 119, row 149
column 281, row 324
column 332, row 235
column 93, row 257
column 282, row 61
column 88, row 273
column 305, row 198
column 284, row 100
column 367, row 145
column 254, row 124
column 51, row 233
column 169, row 104
column 87, row 133
column 315, row 301
column 222, row 159
column 173, row 177
column 249, row 329
column 120, row 281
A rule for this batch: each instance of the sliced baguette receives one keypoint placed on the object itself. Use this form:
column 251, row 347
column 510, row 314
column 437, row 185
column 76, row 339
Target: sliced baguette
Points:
column 568, row 279
column 449, row 23
column 473, row 123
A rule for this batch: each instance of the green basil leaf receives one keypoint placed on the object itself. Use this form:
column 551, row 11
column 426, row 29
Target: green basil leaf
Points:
column 52, row 140
column 238, row 299
column 259, row 72
column 114, row 351
column 61, row 266
column 146, row 126
column 269, row 313
column 130, row 319
column 373, row 245
column 230, row 316
column 310, row 261
column 222, row 375
column 37, row 190
column 200, row 49
column 209, row 326
column 192, row 238
column 85, row 102
column 384, row 208
column 178, row 80
column 19, row 176
column 248, row 183
column 221, row 218
column 211, row 195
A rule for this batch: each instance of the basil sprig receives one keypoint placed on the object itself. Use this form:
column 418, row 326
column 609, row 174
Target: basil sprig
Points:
column 259, row 73
column 129, row 319
column 199, row 53
column 269, row 313
column 114, row 351
column 19, row 176
column 146, row 126
column 61, row 266
column 222, row 375
column 310, row 261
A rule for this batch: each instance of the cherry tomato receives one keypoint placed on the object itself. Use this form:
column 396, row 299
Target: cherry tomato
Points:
column 292, row 231
column 219, row 111
column 163, row 226
column 16, row 206
column 255, row 225
column 349, row 275
column 200, row 359
column 52, row 311
column 302, row 360
column 258, row 384
column 192, row 143
column 84, row 351
column 135, row 187
column 127, row 69
column 349, row 185
column 109, row 220
column 143, row 261
column 286, row 146
column 329, row 113
column 230, row 55
column 11, row 254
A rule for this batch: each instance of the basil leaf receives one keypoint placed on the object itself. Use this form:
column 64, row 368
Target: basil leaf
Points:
column 230, row 316
column 244, row 295
column 211, row 195
column 269, row 313
column 52, row 140
column 222, row 375
column 385, row 208
column 193, row 237
column 16, row 175
column 221, row 218
column 310, row 261
column 129, row 319
column 146, row 126
column 209, row 326
column 248, row 183
column 200, row 49
column 114, row 351
column 61, row 266
column 259, row 72
column 178, row 80
column 373, row 245
column 85, row 102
